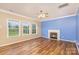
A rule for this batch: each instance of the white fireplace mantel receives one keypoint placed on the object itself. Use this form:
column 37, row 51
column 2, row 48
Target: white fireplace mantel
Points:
column 58, row 33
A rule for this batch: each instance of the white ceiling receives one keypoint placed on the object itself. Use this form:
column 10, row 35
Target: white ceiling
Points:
column 33, row 9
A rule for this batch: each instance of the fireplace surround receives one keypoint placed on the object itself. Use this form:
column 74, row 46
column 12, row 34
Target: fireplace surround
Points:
column 54, row 34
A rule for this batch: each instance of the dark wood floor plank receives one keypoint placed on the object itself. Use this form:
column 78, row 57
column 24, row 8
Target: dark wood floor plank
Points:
column 40, row 46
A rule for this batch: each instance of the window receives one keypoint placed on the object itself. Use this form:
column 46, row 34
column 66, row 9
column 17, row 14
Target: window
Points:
column 25, row 28
column 13, row 28
column 33, row 28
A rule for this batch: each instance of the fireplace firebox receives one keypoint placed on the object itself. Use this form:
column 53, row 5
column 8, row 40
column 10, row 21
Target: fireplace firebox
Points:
column 53, row 35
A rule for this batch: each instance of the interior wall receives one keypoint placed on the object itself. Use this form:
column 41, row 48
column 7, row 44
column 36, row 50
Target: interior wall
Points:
column 77, row 23
column 4, row 40
column 66, row 25
column 78, row 28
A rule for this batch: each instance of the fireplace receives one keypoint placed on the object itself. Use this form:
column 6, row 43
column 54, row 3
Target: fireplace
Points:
column 54, row 34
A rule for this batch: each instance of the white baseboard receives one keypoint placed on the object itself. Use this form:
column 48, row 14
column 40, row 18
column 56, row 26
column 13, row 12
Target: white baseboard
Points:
column 77, row 44
column 68, row 40
column 62, row 40
column 45, row 37
column 13, row 42
column 6, row 44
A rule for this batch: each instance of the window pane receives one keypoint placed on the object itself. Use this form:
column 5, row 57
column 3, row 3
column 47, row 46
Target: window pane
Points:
column 33, row 28
column 25, row 28
column 13, row 28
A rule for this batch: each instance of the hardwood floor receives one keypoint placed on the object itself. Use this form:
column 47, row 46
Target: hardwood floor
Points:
column 40, row 46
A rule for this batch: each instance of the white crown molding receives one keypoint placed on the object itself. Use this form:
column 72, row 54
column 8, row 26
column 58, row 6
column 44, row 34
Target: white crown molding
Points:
column 57, row 18
column 13, row 13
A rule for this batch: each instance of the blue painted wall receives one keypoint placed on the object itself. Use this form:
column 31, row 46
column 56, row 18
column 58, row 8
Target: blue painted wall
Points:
column 78, row 28
column 77, row 23
column 67, row 27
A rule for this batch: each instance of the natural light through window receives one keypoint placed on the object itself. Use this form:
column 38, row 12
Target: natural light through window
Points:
column 25, row 28
column 33, row 28
column 13, row 28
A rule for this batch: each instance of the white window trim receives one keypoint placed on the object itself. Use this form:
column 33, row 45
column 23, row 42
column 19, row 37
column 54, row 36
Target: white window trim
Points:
column 36, row 29
column 8, row 28
column 22, row 29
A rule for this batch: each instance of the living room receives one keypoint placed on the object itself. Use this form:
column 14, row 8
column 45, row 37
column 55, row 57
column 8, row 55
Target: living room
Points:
column 39, row 28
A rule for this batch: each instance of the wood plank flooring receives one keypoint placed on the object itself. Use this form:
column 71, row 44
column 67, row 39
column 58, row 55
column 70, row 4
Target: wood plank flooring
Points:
column 40, row 46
